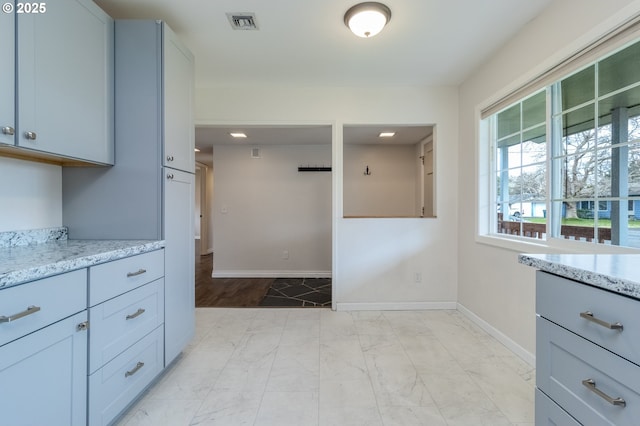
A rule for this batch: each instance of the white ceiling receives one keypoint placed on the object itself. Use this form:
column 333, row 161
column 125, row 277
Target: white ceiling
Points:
column 305, row 42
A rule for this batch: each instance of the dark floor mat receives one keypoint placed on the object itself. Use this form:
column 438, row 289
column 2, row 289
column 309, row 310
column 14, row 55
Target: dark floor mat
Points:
column 303, row 292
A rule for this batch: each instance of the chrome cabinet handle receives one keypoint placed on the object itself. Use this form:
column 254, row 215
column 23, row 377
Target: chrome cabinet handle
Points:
column 169, row 157
column 30, row 136
column 588, row 315
column 169, row 176
column 591, row 385
column 8, row 130
column 138, row 272
column 139, row 312
column 30, row 310
column 138, row 366
column 82, row 326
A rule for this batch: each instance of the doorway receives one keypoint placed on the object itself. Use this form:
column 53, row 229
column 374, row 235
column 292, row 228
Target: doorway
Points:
column 201, row 210
column 270, row 211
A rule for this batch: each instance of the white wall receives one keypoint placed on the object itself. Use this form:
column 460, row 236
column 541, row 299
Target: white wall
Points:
column 390, row 188
column 491, row 283
column 264, row 206
column 30, row 195
column 374, row 260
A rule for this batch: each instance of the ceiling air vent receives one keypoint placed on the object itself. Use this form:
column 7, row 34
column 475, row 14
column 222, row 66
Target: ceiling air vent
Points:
column 242, row 20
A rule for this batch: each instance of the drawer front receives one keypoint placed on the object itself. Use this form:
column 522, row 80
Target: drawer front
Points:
column 111, row 279
column 120, row 322
column 548, row 413
column 564, row 360
column 113, row 387
column 562, row 301
column 31, row 306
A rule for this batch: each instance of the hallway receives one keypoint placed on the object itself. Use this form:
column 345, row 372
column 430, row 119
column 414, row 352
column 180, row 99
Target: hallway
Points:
column 254, row 292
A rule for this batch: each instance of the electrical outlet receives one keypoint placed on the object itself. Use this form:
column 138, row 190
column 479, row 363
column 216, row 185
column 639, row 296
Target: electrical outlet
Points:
column 417, row 277
column 285, row 254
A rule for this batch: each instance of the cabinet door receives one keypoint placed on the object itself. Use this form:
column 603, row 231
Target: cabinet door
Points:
column 179, row 131
column 65, row 84
column 7, row 76
column 44, row 376
column 179, row 279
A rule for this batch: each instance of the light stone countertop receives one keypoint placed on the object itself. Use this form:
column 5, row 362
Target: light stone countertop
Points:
column 619, row 273
column 23, row 263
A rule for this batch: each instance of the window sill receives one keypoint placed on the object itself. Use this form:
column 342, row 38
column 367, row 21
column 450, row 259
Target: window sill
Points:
column 554, row 245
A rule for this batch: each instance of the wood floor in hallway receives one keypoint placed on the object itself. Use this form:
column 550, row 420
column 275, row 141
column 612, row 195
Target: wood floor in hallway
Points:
column 227, row 292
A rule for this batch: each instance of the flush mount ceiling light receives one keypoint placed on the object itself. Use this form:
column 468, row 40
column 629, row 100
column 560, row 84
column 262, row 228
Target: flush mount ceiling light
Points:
column 387, row 134
column 238, row 135
column 367, row 19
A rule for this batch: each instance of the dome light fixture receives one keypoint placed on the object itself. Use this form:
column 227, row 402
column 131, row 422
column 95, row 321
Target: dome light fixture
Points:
column 367, row 19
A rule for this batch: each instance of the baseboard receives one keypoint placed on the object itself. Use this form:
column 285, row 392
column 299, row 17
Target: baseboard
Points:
column 271, row 274
column 526, row 356
column 395, row 306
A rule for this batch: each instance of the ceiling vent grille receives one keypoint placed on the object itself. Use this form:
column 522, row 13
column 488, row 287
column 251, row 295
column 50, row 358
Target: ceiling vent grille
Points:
column 243, row 21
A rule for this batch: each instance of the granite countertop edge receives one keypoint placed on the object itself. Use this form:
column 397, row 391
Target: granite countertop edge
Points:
column 19, row 265
column 617, row 272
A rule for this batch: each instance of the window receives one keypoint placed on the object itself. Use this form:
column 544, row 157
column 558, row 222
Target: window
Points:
column 520, row 159
column 565, row 161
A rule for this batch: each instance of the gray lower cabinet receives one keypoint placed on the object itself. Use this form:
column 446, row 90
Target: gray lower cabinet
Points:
column 43, row 352
column 548, row 413
column 64, row 86
column 587, row 357
column 80, row 347
column 179, row 267
column 126, row 345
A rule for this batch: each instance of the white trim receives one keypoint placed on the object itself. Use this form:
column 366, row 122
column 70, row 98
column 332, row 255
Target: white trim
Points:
column 271, row 274
column 394, row 306
column 526, row 356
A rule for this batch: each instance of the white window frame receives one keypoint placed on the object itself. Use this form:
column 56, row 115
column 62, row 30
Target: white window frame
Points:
column 486, row 227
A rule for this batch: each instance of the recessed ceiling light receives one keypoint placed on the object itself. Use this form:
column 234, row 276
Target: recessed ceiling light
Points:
column 196, row 149
column 238, row 135
column 386, row 134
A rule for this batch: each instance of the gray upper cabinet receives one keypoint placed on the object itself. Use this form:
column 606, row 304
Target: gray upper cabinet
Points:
column 7, row 77
column 65, row 81
column 178, row 104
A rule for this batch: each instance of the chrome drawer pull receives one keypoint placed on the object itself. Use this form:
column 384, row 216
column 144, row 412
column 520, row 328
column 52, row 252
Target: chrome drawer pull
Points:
column 138, row 366
column 139, row 312
column 591, row 385
column 138, row 272
column 30, row 310
column 589, row 317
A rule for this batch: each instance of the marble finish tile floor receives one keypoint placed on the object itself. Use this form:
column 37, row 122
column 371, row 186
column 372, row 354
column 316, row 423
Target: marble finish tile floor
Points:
column 305, row 367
